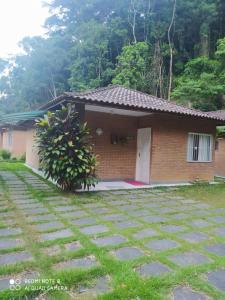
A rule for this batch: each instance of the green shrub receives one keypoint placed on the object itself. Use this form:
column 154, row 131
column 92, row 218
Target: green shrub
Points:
column 5, row 154
column 65, row 150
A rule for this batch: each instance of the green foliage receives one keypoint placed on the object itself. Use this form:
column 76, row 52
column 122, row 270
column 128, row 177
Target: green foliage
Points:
column 5, row 154
column 202, row 82
column 65, row 150
column 220, row 131
column 91, row 66
column 89, row 45
column 133, row 63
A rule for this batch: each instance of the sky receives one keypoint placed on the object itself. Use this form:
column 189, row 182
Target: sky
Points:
column 19, row 18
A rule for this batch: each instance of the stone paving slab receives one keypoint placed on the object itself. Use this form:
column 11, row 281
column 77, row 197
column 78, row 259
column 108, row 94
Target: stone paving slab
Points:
column 36, row 211
column 148, row 232
column 113, row 240
column 139, row 213
column 161, row 245
column 15, row 257
column 8, row 222
column 56, row 198
column 114, row 217
column 219, row 231
column 202, row 206
column 173, row 228
column 7, row 214
column 48, row 226
column 10, row 231
column 48, row 217
column 8, row 282
column 186, row 259
column 84, row 221
column 193, row 237
column 129, row 207
column 188, row 201
column 98, row 287
column 101, row 210
column 10, row 243
column 92, row 205
column 29, row 205
column 151, row 205
column 200, row 223
column 217, row 279
column 217, row 249
column 186, row 293
column 78, row 263
column 180, row 216
column 152, row 269
column 127, row 253
column 95, row 229
column 217, row 219
column 118, row 202
column 74, row 214
column 60, row 234
column 219, row 210
column 154, row 219
column 64, row 208
column 126, row 224
column 23, row 200
column 165, row 210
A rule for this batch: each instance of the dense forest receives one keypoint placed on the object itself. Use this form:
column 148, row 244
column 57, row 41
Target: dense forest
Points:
column 174, row 49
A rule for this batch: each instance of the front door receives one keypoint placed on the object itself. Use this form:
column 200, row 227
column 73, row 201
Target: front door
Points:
column 143, row 155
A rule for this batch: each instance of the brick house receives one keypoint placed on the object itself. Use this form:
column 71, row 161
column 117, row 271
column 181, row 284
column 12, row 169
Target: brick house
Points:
column 17, row 134
column 143, row 138
column 12, row 139
column 220, row 147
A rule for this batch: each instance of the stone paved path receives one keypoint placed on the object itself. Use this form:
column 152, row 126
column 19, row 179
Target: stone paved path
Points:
column 157, row 234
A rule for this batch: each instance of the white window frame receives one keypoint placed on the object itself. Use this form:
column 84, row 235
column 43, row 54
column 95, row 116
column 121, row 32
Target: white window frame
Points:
column 211, row 147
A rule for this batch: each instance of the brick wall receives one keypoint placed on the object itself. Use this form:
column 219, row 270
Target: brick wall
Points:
column 115, row 161
column 168, row 148
column 220, row 158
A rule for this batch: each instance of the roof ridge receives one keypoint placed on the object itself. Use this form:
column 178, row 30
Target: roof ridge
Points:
column 96, row 90
column 159, row 98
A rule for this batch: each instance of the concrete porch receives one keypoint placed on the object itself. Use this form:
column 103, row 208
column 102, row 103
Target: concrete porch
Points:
column 123, row 185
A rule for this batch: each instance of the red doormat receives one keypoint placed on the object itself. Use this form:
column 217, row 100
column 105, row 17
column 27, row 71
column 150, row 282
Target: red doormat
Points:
column 134, row 182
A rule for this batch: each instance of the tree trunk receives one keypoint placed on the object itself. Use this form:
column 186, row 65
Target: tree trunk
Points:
column 132, row 19
column 171, row 50
column 204, row 40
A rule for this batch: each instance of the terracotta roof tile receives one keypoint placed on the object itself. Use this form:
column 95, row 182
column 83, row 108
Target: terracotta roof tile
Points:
column 128, row 98
column 217, row 114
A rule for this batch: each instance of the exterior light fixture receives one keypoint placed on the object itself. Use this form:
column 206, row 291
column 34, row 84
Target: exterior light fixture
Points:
column 99, row 131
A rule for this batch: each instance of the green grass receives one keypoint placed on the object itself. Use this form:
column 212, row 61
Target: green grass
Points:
column 124, row 281
column 213, row 194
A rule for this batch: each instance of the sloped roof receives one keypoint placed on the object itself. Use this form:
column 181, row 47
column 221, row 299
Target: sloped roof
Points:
column 217, row 113
column 17, row 118
column 116, row 95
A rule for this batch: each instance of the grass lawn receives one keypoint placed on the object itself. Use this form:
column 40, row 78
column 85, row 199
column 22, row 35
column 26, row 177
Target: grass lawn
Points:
column 81, row 243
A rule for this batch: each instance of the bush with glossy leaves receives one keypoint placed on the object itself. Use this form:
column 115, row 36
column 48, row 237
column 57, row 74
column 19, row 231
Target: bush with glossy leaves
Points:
column 65, row 150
